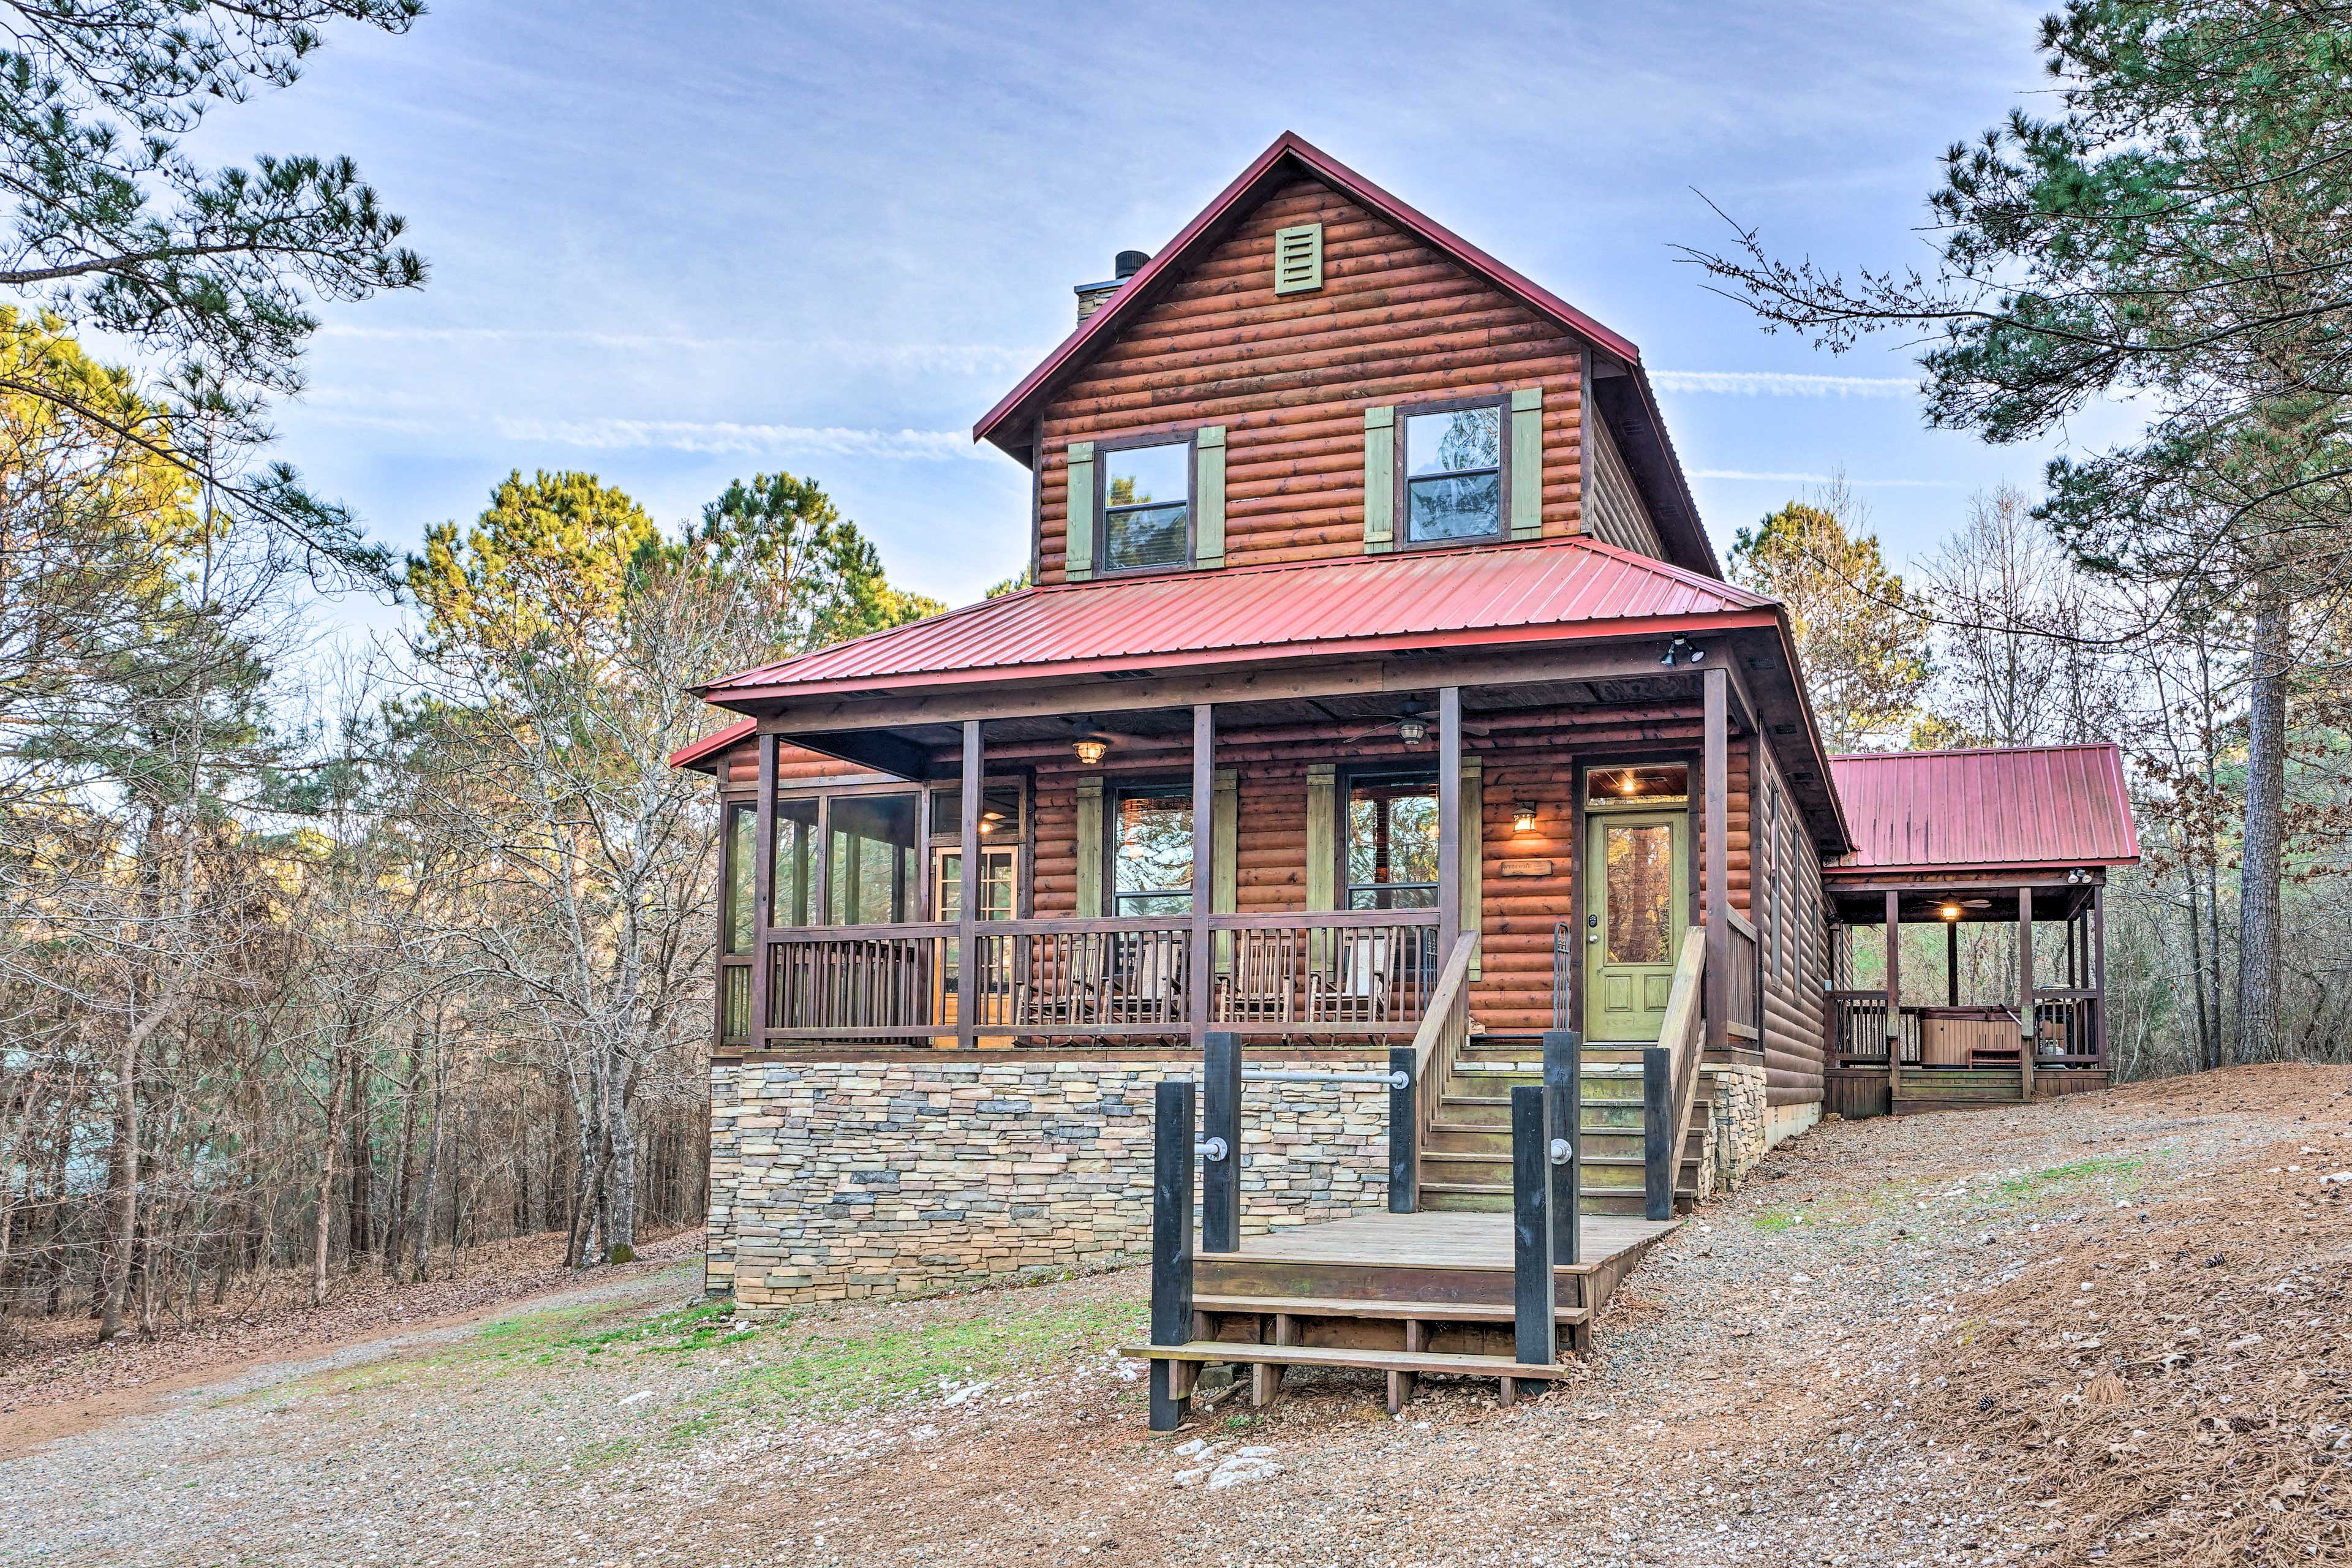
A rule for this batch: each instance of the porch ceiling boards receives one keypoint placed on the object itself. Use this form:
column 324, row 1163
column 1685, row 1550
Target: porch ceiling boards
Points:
column 1555, row 591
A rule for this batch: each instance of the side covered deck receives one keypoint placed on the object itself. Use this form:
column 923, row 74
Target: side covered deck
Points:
column 2007, row 851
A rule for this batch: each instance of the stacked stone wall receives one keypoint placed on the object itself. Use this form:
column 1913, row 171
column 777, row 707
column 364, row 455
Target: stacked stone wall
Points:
column 902, row 1176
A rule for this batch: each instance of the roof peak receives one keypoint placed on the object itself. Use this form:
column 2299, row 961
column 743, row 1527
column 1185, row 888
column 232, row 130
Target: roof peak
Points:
column 1207, row 227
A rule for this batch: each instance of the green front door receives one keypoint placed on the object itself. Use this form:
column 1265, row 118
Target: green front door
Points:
column 1637, row 902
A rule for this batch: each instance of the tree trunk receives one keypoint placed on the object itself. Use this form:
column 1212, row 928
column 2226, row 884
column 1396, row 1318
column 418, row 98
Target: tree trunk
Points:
column 431, row 1163
column 403, row 1171
column 325, row 1228
column 123, row 1176
column 2258, row 887
column 360, row 1219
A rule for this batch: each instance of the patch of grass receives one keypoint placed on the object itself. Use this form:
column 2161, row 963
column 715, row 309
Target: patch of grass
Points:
column 2074, row 1173
column 871, row 1368
column 701, row 1327
column 1775, row 1219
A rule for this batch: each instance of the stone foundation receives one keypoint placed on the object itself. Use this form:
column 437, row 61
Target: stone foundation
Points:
column 901, row 1176
column 1735, row 1137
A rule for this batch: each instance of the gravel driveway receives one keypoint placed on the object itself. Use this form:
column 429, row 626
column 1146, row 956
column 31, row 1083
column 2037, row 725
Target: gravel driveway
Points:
column 1748, row 1403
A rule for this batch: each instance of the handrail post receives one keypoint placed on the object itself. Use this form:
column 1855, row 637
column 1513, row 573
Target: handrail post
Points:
column 1534, row 1309
column 1171, row 1245
column 1563, row 1074
column 1404, row 1132
column 1657, row 1133
column 1221, row 1117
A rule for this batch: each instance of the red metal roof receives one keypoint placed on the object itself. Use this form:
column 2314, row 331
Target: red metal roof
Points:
column 710, row 745
column 2006, row 806
column 1554, row 590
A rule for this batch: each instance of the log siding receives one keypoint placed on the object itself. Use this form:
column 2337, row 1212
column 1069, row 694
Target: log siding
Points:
column 1289, row 376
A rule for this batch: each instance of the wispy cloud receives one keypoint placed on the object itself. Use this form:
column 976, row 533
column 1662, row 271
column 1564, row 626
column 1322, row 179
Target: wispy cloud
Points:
column 725, row 436
column 1774, row 479
column 965, row 359
column 1781, row 384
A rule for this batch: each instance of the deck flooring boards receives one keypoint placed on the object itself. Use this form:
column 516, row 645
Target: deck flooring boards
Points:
column 1434, row 1239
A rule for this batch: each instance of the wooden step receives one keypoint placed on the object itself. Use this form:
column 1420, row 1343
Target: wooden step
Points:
column 1415, row 1361
column 1341, row 1307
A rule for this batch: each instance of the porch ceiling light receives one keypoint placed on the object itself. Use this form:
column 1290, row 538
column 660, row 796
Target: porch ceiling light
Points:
column 1950, row 911
column 1091, row 749
column 1523, row 816
column 1413, row 728
column 1682, row 650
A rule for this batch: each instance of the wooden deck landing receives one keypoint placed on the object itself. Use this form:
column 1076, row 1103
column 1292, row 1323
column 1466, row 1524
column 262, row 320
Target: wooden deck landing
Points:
column 1407, row 1294
column 1438, row 1240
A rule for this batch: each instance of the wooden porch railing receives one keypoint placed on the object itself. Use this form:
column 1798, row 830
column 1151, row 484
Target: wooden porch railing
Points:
column 2066, row 1026
column 1445, row 1029
column 1857, row 1027
column 1341, row 973
column 1743, row 1004
column 1670, row 1077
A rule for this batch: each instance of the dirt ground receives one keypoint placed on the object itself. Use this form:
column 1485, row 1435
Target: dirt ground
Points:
column 2110, row 1329
column 60, row 1381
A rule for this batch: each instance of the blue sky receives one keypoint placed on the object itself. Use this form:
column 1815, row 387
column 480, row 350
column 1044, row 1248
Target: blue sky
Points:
column 673, row 245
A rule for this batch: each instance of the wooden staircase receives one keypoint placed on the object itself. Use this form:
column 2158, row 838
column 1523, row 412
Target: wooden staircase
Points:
column 1465, row 1150
column 1407, row 1294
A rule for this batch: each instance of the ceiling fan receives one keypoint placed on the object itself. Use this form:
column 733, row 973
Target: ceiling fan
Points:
column 1412, row 725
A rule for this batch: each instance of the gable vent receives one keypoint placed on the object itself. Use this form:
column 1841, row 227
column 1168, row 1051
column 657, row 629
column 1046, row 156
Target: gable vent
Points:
column 1298, row 259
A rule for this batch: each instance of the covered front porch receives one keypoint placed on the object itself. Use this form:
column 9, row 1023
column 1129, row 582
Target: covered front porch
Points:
column 1374, row 860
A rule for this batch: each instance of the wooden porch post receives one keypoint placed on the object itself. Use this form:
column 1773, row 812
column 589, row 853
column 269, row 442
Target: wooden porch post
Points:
column 1715, row 825
column 763, row 890
column 2099, row 972
column 2025, row 993
column 1952, row 963
column 1449, row 821
column 1204, row 810
column 968, row 895
column 1894, row 998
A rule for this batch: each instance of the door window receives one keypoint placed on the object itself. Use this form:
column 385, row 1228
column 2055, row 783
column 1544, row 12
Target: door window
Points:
column 1640, row 892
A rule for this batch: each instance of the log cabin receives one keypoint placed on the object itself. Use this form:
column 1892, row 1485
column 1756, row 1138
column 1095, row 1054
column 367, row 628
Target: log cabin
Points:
column 1379, row 752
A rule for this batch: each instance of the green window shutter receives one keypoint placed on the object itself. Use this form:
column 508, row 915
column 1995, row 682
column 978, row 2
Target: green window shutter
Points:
column 1298, row 259
column 1322, row 822
column 1224, row 858
column 1322, row 852
column 1078, row 533
column 1089, row 835
column 1527, row 463
column 1380, row 480
column 1472, row 837
column 1208, row 495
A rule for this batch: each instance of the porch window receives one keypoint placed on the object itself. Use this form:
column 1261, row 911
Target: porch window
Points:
column 1152, row 852
column 795, row 862
column 1453, row 475
column 795, row 867
column 1147, row 511
column 870, row 862
column 743, row 854
column 1392, row 841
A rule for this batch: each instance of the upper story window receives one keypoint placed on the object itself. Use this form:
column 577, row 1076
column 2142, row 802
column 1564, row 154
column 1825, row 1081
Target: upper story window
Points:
column 1454, row 462
column 1147, row 506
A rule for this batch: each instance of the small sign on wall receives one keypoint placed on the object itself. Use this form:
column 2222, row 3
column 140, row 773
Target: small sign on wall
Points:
column 1527, row 868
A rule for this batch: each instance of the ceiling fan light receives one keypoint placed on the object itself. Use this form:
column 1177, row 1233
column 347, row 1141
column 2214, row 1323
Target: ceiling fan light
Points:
column 1951, row 911
column 1091, row 750
column 1412, row 730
